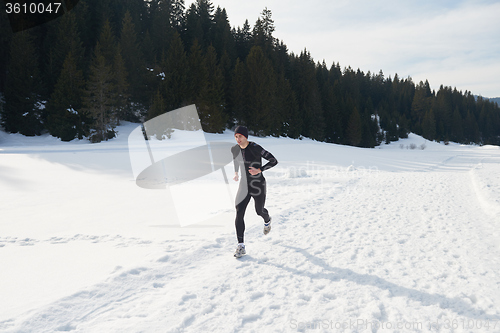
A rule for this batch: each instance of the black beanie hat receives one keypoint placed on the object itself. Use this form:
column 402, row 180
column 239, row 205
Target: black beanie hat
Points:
column 241, row 130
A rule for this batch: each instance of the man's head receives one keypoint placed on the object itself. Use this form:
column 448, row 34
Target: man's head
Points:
column 241, row 135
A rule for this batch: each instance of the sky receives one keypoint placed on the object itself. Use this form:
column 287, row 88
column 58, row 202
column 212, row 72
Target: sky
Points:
column 451, row 43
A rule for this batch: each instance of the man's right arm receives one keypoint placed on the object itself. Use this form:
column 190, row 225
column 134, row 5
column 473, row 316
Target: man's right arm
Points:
column 235, row 151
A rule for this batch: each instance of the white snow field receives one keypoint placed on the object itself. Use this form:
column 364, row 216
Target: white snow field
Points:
column 390, row 239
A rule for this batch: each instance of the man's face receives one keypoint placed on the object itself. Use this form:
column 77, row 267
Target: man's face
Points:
column 240, row 139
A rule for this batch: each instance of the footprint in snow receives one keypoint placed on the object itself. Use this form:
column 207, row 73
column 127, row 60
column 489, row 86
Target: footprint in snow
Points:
column 250, row 318
column 256, row 295
column 66, row 328
column 135, row 271
column 188, row 320
column 164, row 259
column 329, row 296
column 186, row 298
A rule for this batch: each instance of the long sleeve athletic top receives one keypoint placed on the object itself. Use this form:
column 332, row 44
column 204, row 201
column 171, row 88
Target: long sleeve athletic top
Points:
column 252, row 157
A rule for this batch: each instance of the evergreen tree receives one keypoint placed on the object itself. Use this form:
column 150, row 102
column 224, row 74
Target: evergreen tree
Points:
column 5, row 37
column 138, row 12
column 404, row 127
column 354, row 130
column 161, row 25
column 211, row 98
column 288, row 118
column 174, row 68
column 486, row 124
column 98, row 101
column 177, row 18
column 239, row 96
column 157, row 107
column 420, row 104
column 226, row 68
column 308, row 96
column 457, row 131
column 21, row 112
column 200, row 22
column 429, row 126
column 262, row 34
column 331, row 112
column 268, row 25
column 157, row 129
column 197, row 73
column 68, row 40
column 392, row 131
column 64, row 107
column 243, row 38
column 135, row 65
column 369, row 129
column 149, row 50
column 261, row 85
column 193, row 31
column 443, row 113
column 471, row 130
column 86, row 23
column 122, row 107
column 223, row 40
column 107, row 43
column 243, row 75
column 205, row 13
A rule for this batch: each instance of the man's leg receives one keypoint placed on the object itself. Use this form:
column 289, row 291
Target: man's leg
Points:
column 240, row 214
column 260, row 201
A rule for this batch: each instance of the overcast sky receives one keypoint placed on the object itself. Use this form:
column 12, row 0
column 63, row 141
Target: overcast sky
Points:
column 454, row 43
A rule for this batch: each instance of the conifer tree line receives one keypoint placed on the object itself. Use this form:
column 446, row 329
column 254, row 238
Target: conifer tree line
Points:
column 132, row 60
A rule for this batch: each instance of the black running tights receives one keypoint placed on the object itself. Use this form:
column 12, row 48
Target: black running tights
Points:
column 260, row 200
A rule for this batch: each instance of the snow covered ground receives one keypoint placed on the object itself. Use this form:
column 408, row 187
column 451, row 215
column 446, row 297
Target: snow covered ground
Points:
column 390, row 239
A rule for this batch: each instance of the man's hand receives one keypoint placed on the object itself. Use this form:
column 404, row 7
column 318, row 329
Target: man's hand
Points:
column 254, row 171
column 236, row 178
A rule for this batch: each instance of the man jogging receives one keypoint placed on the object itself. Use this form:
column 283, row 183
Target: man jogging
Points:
column 247, row 157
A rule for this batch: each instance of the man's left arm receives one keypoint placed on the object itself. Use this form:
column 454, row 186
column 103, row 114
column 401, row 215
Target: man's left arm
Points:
column 272, row 161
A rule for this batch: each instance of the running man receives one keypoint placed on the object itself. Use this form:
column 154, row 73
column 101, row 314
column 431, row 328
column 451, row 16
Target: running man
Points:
column 252, row 184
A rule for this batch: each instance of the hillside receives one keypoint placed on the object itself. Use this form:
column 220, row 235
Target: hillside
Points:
column 104, row 63
column 374, row 239
column 496, row 100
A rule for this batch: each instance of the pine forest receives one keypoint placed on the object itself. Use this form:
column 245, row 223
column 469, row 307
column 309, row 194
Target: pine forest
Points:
column 109, row 61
